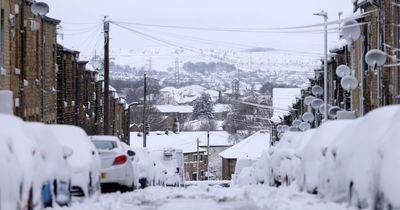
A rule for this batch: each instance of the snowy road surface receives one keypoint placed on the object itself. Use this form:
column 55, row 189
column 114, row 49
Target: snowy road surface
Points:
column 205, row 197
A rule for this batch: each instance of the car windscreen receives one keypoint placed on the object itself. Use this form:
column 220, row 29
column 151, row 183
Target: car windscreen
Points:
column 105, row 145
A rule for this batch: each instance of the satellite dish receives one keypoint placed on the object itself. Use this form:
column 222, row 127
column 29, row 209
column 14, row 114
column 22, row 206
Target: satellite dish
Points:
column 351, row 30
column 322, row 108
column 332, row 112
column 375, row 58
column 293, row 129
column 308, row 117
column 317, row 90
column 349, row 83
column 316, row 103
column 304, row 126
column 296, row 123
column 308, row 100
column 285, row 128
column 40, row 8
column 279, row 128
column 342, row 71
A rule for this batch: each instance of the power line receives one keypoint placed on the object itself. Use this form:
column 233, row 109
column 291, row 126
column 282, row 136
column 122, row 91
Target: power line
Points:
column 247, row 29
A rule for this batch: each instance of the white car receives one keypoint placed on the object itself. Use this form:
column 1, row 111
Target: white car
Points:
column 56, row 170
column 312, row 156
column 29, row 157
column 10, row 181
column 27, row 153
column 84, row 162
column 116, row 162
column 357, row 158
column 144, row 168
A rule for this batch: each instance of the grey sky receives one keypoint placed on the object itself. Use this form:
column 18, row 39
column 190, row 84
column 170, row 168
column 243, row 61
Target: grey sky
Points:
column 203, row 13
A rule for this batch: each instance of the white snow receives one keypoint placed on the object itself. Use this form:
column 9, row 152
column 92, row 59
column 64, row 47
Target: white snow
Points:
column 201, row 197
column 283, row 98
column 249, row 148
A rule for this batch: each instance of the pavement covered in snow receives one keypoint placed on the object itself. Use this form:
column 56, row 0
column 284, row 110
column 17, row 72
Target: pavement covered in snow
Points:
column 202, row 196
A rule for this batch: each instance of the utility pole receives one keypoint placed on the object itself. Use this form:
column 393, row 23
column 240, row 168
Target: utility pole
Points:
column 42, row 71
column 208, row 152
column 106, row 75
column 325, row 15
column 150, row 66
column 144, row 111
column 198, row 161
column 177, row 73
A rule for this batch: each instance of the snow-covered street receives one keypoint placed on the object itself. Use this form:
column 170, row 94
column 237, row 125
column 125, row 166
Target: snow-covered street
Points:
column 202, row 197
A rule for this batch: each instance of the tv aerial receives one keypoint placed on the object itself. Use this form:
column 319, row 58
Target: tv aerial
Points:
column 332, row 112
column 304, row 126
column 316, row 103
column 296, row 123
column 375, row 58
column 308, row 117
column 40, row 8
column 349, row 83
column 322, row 108
column 351, row 30
column 317, row 90
column 342, row 71
column 308, row 100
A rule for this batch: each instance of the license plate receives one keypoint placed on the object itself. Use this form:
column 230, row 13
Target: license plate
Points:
column 103, row 175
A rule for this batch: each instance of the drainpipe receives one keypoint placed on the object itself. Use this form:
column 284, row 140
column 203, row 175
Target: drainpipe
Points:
column 21, row 59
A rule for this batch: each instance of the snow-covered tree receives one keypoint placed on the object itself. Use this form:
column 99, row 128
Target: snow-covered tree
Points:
column 203, row 107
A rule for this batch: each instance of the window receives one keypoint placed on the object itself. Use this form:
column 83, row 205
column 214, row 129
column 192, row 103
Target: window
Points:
column 105, row 145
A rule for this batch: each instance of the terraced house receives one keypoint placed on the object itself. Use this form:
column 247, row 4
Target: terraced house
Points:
column 49, row 82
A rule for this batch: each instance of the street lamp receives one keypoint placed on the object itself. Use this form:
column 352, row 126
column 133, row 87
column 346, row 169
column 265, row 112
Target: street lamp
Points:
column 325, row 15
column 41, row 9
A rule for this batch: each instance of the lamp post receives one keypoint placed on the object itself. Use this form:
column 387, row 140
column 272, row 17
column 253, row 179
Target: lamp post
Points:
column 325, row 15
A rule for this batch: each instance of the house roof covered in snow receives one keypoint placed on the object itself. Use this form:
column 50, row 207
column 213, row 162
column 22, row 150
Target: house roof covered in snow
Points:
column 250, row 148
column 187, row 141
column 283, row 98
column 174, row 108
column 186, row 109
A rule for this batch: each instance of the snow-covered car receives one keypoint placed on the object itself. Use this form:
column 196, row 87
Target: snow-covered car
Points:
column 308, row 176
column 285, row 157
column 245, row 177
column 56, row 170
column 357, row 157
column 240, row 165
column 116, row 162
column 10, row 182
column 84, row 162
column 27, row 153
column 389, row 184
column 143, row 168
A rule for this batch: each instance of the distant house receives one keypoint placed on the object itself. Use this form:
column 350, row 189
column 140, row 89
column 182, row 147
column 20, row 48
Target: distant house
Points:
column 249, row 148
column 187, row 142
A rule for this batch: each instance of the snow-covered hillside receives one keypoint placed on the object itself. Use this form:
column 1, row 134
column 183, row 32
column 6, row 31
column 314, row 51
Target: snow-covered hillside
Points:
column 255, row 66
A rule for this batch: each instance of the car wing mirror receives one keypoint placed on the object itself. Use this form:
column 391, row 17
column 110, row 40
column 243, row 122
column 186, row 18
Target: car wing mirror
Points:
column 67, row 152
column 131, row 153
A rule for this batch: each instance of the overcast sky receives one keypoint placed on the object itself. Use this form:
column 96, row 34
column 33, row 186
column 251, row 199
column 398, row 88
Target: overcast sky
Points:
column 81, row 22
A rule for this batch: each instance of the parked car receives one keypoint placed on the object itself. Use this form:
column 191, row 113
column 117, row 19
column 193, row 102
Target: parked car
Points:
column 143, row 167
column 116, row 162
column 11, row 182
column 314, row 152
column 27, row 153
column 84, row 162
column 358, row 157
column 56, row 170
